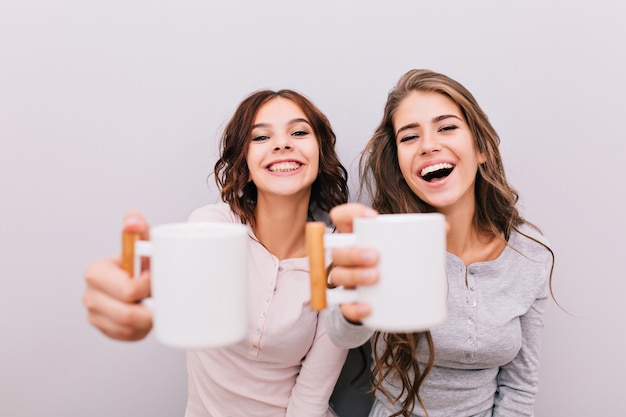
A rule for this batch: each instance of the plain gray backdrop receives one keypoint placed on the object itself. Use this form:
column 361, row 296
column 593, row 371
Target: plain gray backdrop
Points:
column 110, row 106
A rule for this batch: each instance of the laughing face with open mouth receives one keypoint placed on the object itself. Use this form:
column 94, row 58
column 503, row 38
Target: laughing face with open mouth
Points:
column 436, row 150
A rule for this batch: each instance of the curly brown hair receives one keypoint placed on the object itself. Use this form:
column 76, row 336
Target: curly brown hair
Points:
column 329, row 189
column 382, row 181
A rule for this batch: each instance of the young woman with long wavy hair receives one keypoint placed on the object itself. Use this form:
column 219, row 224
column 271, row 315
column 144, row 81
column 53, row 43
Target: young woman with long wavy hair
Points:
column 436, row 151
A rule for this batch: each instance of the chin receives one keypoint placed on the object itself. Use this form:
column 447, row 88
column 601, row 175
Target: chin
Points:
column 440, row 204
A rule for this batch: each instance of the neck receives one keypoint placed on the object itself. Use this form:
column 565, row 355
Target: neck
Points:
column 467, row 242
column 280, row 224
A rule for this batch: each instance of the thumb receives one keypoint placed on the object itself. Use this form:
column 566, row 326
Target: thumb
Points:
column 134, row 226
column 135, row 222
column 343, row 215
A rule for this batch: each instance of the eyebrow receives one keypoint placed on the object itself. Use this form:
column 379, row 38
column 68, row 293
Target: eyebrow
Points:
column 434, row 120
column 289, row 123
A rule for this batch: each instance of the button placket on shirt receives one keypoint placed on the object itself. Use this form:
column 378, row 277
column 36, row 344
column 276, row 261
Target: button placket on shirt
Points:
column 471, row 302
column 255, row 350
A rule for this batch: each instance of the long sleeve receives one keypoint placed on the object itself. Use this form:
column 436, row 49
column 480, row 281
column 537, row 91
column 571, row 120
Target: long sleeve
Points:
column 518, row 380
column 318, row 376
column 343, row 333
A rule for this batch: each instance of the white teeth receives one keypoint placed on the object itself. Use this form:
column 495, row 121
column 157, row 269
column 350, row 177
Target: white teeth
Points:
column 436, row 167
column 284, row 166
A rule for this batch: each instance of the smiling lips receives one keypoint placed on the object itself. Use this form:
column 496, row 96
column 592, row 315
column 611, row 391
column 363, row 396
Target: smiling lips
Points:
column 284, row 166
column 436, row 171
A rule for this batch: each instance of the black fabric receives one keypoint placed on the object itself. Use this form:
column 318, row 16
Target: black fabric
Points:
column 352, row 398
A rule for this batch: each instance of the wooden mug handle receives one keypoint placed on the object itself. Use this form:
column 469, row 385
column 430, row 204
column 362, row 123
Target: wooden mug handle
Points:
column 128, row 251
column 314, row 235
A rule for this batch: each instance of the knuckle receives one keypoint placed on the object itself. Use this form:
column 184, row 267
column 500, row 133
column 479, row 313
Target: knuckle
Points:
column 127, row 333
column 87, row 301
column 128, row 293
column 355, row 277
column 335, row 276
column 355, row 256
column 88, row 274
column 92, row 320
column 127, row 317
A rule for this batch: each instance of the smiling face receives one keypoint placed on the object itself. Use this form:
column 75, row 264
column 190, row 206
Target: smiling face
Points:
column 436, row 151
column 283, row 153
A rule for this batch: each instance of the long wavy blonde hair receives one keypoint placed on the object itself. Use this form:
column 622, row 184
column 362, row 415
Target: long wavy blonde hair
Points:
column 382, row 181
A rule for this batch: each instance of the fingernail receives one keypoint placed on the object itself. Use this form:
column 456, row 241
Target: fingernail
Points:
column 368, row 275
column 364, row 310
column 368, row 255
column 130, row 220
column 370, row 212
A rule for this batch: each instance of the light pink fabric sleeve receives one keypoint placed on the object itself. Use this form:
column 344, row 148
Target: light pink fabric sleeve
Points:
column 320, row 370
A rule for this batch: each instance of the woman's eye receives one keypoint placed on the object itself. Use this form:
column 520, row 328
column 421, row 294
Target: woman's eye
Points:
column 300, row 133
column 448, row 127
column 409, row 138
column 260, row 138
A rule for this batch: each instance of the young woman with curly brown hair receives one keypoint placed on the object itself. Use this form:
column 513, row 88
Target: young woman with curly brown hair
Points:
column 278, row 169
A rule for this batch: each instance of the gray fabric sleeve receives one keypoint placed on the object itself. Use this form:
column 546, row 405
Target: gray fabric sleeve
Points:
column 518, row 380
column 343, row 333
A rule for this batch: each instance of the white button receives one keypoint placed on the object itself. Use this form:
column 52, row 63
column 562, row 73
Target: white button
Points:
column 473, row 303
column 470, row 341
column 470, row 321
column 258, row 332
column 263, row 315
column 280, row 268
column 471, row 287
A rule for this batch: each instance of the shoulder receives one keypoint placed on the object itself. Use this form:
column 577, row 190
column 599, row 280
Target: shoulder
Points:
column 219, row 212
column 532, row 232
column 530, row 242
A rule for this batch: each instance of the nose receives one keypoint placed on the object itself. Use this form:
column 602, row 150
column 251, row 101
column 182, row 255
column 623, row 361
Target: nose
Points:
column 429, row 143
column 282, row 142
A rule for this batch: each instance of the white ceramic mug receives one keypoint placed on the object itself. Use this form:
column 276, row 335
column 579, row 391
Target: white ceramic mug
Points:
column 412, row 291
column 199, row 283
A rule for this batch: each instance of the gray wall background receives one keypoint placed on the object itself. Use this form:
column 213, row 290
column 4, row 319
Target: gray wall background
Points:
column 107, row 106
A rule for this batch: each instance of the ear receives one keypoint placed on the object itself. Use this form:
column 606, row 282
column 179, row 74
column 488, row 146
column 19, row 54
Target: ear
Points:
column 481, row 157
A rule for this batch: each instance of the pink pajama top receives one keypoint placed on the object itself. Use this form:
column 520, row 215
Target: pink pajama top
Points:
column 286, row 365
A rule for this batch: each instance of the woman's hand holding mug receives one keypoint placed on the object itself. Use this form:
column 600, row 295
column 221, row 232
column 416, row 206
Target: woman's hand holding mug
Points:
column 353, row 266
column 391, row 268
column 112, row 298
column 194, row 276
